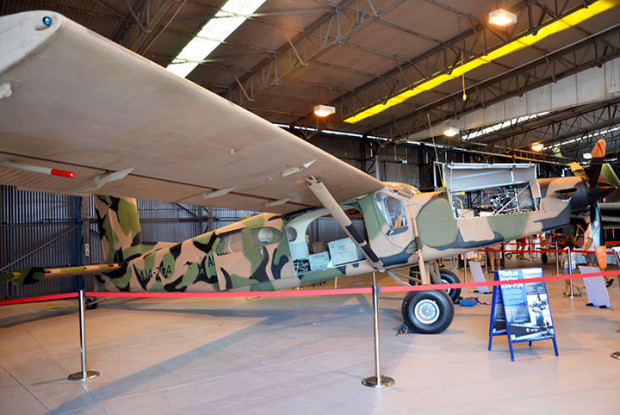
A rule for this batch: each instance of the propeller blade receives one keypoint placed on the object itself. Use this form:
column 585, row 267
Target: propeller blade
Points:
column 594, row 172
column 578, row 170
column 597, row 153
column 599, row 149
column 598, row 236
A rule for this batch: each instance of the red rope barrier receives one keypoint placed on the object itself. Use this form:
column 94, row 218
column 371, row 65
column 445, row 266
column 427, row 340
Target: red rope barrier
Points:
column 228, row 294
column 309, row 293
column 41, row 298
column 526, row 251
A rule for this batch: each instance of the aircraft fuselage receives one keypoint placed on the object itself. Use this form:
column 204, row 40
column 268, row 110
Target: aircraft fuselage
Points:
column 269, row 251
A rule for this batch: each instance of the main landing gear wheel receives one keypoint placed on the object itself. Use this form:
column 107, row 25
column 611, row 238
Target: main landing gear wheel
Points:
column 448, row 277
column 427, row 312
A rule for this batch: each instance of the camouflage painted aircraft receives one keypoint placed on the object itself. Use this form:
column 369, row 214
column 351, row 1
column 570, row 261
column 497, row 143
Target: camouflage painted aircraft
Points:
column 75, row 104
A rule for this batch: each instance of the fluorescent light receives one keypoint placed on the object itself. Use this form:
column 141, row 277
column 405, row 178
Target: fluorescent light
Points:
column 544, row 32
column 324, row 110
column 450, row 131
column 501, row 17
column 215, row 31
column 538, row 147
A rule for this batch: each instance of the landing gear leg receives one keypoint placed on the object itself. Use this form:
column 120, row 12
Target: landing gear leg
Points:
column 439, row 276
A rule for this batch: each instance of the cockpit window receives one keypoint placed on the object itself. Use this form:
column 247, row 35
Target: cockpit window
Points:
column 265, row 236
column 229, row 244
column 393, row 210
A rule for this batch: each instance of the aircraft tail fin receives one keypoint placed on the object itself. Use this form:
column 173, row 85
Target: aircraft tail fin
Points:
column 121, row 240
column 119, row 225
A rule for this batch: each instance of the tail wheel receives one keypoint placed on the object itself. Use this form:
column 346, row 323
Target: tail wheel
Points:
column 448, row 277
column 427, row 312
column 90, row 303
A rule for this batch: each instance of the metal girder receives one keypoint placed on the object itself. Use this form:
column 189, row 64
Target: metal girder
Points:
column 142, row 23
column 472, row 43
column 578, row 133
column 591, row 51
column 331, row 29
column 572, row 131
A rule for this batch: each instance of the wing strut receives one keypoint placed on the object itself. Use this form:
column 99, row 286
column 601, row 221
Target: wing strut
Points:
column 327, row 200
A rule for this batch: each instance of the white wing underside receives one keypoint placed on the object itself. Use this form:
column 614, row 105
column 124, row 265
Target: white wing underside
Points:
column 81, row 103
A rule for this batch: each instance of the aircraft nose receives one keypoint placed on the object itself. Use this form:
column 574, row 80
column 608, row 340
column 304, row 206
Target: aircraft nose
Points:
column 599, row 192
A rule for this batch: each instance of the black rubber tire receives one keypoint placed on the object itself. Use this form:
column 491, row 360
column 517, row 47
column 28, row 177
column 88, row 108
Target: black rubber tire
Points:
column 91, row 303
column 449, row 277
column 427, row 312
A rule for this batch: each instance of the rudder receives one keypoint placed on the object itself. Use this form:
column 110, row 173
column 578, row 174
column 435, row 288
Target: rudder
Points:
column 119, row 227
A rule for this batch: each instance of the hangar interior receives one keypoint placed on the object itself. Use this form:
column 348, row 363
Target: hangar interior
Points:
column 400, row 76
column 559, row 87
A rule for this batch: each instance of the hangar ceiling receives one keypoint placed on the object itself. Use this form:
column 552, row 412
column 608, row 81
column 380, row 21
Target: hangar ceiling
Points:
column 358, row 55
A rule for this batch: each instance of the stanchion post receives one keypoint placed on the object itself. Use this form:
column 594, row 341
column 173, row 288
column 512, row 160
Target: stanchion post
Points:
column 465, row 263
column 377, row 381
column 486, row 260
column 84, row 374
column 557, row 259
column 570, row 272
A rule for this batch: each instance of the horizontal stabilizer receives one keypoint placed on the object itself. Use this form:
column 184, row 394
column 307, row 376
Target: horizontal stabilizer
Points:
column 25, row 276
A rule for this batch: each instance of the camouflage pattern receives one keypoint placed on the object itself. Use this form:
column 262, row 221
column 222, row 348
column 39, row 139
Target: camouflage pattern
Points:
column 32, row 275
column 201, row 264
column 269, row 251
column 120, row 230
column 441, row 234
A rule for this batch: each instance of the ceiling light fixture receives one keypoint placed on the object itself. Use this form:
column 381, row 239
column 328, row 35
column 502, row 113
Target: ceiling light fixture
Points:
column 324, row 110
column 557, row 26
column 501, row 17
column 538, row 147
column 213, row 33
column 450, row 131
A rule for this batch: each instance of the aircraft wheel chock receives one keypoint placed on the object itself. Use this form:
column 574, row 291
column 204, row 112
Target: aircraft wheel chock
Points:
column 427, row 312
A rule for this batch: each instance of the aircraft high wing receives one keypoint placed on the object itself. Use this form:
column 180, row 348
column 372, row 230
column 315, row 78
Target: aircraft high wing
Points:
column 74, row 103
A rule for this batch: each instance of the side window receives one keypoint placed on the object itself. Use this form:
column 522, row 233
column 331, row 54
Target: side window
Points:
column 265, row 236
column 393, row 210
column 230, row 243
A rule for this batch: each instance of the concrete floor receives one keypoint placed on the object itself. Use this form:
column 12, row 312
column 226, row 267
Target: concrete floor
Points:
column 301, row 356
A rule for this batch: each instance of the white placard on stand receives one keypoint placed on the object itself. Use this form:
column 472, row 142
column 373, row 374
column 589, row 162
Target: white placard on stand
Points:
column 478, row 275
column 595, row 287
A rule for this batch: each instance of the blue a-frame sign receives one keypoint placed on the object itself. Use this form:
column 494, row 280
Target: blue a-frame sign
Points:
column 521, row 310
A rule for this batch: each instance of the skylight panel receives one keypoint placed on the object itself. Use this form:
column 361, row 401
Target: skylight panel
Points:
column 500, row 126
column 213, row 33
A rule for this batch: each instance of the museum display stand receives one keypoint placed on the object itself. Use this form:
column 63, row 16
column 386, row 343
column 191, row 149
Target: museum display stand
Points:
column 521, row 310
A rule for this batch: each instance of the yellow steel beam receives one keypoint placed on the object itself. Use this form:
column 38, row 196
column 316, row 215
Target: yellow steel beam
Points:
column 550, row 29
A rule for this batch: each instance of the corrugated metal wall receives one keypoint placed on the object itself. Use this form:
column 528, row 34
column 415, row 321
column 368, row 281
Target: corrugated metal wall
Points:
column 38, row 229
column 42, row 229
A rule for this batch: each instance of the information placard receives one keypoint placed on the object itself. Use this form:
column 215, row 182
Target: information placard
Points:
column 521, row 310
